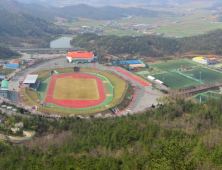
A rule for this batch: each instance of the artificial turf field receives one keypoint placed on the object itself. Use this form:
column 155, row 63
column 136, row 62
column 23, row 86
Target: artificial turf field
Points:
column 174, row 80
column 209, row 95
column 170, row 65
column 76, row 89
column 207, row 75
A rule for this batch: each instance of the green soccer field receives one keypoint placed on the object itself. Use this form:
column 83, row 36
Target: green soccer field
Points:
column 176, row 64
column 207, row 75
column 207, row 96
column 174, row 80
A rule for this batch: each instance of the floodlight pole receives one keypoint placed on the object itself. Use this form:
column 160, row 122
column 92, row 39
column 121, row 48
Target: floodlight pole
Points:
column 181, row 67
column 163, row 79
column 200, row 75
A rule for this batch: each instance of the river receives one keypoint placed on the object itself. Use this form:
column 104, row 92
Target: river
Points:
column 63, row 42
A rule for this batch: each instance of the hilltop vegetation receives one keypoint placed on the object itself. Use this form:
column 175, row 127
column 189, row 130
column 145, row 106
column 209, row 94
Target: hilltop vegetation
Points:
column 147, row 45
column 185, row 136
column 151, row 45
column 17, row 28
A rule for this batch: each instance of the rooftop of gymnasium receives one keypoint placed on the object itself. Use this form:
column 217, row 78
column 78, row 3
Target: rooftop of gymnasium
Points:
column 198, row 58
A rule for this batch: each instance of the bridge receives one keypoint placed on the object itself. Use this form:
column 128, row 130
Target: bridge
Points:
column 24, row 49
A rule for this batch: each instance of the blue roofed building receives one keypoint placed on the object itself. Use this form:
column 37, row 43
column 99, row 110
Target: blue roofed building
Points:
column 11, row 66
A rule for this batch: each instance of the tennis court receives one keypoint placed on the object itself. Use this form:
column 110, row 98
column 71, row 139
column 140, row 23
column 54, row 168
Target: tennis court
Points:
column 174, row 80
column 205, row 74
column 176, row 64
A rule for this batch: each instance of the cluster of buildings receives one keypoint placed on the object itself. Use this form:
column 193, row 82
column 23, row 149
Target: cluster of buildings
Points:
column 14, row 64
column 205, row 61
column 86, row 29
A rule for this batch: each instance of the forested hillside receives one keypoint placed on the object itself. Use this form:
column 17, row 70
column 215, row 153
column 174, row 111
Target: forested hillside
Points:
column 209, row 43
column 7, row 53
column 147, row 45
column 151, row 45
column 17, row 28
column 185, row 136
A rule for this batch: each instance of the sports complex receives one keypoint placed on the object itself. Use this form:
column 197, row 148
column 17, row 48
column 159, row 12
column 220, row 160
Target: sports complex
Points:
column 184, row 73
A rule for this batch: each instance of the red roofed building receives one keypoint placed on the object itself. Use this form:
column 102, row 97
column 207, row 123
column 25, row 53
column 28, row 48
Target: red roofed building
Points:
column 213, row 60
column 16, row 62
column 80, row 56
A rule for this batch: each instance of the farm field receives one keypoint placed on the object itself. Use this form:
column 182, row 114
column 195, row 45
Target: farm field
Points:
column 207, row 75
column 170, row 65
column 174, row 80
column 190, row 23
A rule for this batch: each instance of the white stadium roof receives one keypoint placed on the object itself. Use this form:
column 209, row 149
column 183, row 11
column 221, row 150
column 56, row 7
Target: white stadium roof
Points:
column 30, row 79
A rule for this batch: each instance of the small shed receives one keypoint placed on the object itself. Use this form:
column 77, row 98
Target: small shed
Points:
column 9, row 107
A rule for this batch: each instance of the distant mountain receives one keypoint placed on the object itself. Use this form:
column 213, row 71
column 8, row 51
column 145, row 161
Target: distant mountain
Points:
column 44, row 3
column 20, row 27
column 81, row 11
column 62, row 3
column 106, row 13
column 33, row 8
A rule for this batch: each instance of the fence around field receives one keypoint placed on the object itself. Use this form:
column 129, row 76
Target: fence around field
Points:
column 207, row 96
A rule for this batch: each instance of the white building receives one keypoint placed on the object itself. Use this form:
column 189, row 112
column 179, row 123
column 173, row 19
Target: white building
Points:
column 205, row 61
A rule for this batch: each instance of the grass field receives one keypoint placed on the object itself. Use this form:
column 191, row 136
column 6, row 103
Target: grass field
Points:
column 170, row 65
column 207, row 75
column 174, row 80
column 117, row 82
column 81, row 89
column 42, row 74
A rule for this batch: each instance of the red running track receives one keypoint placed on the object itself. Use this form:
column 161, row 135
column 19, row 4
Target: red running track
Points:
column 75, row 103
column 132, row 77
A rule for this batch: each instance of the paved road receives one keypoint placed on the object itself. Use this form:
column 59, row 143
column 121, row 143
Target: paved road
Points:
column 23, row 49
column 142, row 99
